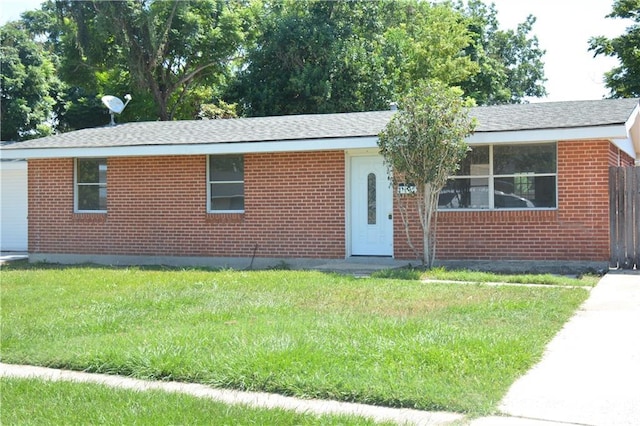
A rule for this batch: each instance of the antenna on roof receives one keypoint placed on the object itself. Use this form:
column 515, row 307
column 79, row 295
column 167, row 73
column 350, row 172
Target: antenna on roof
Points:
column 115, row 105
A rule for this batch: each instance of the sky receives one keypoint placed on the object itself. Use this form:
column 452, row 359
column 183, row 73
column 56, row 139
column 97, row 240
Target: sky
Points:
column 563, row 29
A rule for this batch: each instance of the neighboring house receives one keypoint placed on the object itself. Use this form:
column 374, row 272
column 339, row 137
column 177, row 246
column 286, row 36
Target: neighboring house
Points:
column 13, row 205
column 312, row 187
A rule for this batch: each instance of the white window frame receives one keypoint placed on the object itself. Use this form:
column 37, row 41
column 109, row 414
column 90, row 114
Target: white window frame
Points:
column 491, row 182
column 77, row 184
column 210, row 182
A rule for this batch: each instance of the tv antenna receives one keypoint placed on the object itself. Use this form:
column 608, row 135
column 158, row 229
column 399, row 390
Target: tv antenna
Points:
column 115, row 105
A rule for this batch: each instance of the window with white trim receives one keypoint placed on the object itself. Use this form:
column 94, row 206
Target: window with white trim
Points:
column 225, row 184
column 516, row 176
column 90, row 185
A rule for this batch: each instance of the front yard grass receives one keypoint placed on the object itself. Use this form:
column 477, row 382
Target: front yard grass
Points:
column 36, row 402
column 400, row 343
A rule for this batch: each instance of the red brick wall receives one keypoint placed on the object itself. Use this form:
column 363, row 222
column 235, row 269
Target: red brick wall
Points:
column 577, row 230
column 294, row 207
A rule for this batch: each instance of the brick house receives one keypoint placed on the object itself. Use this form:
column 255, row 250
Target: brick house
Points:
column 308, row 188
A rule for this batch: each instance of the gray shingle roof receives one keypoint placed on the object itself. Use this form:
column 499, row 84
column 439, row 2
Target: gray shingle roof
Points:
column 550, row 115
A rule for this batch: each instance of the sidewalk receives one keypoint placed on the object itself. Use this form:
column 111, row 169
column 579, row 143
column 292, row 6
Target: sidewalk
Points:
column 590, row 373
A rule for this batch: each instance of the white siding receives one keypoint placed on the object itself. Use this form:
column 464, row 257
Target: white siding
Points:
column 13, row 206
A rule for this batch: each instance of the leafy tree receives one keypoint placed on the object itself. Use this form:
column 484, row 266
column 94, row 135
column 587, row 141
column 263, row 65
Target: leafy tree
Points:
column 314, row 56
column 28, row 84
column 311, row 57
column 425, row 41
column 176, row 51
column 510, row 62
column 623, row 80
column 423, row 145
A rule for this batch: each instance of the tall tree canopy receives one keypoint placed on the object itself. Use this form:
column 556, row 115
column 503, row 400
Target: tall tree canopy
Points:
column 28, row 84
column 623, row 80
column 510, row 62
column 312, row 56
column 174, row 50
column 269, row 57
column 316, row 56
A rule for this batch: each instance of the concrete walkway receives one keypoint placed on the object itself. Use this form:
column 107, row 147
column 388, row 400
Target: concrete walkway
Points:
column 589, row 375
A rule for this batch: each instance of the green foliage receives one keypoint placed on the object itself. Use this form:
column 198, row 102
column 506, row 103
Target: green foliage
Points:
column 170, row 49
column 423, row 145
column 623, row 80
column 309, row 334
column 218, row 110
column 271, row 57
column 509, row 62
column 316, row 56
column 312, row 57
column 29, row 84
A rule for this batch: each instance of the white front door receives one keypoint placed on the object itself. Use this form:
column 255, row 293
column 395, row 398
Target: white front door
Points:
column 371, row 207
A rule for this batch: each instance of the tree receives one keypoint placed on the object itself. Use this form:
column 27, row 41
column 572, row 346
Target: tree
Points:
column 28, row 84
column 315, row 56
column 510, row 62
column 312, row 57
column 624, row 80
column 174, row 50
column 423, row 145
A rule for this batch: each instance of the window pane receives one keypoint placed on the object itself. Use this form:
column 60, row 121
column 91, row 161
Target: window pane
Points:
column 476, row 163
column 92, row 170
column 226, row 168
column 465, row 194
column 92, row 197
column 525, row 191
column 537, row 158
column 227, row 196
column 371, row 199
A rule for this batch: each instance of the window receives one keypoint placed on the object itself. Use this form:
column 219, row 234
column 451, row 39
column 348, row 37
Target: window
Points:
column 91, row 185
column 226, row 183
column 504, row 177
column 371, row 199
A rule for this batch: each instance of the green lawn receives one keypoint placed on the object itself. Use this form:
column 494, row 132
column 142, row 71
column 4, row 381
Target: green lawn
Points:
column 34, row 402
column 382, row 341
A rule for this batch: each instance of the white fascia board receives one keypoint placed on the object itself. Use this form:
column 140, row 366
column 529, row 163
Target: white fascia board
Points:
column 633, row 128
column 302, row 145
column 548, row 135
column 13, row 165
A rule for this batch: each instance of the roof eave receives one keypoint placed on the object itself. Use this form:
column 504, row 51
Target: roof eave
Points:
column 633, row 130
column 606, row 132
column 615, row 133
column 298, row 145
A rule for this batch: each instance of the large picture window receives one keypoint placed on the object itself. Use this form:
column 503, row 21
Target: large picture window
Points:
column 504, row 177
column 91, row 185
column 226, row 183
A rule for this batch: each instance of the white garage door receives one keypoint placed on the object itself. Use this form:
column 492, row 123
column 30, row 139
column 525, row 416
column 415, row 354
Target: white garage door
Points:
column 13, row 206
